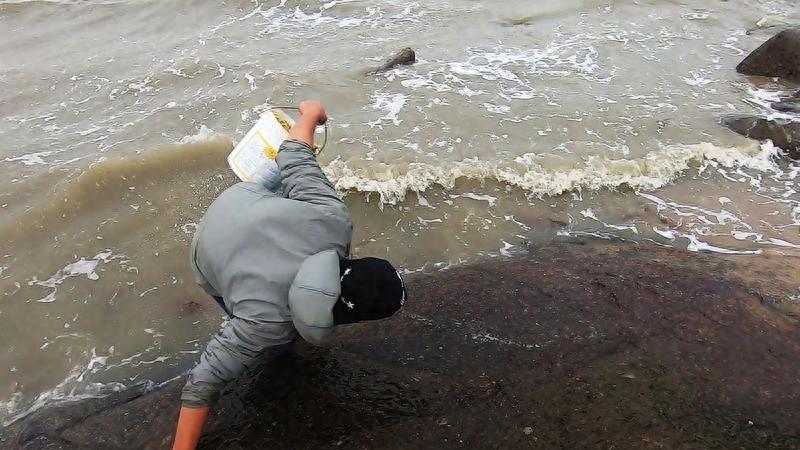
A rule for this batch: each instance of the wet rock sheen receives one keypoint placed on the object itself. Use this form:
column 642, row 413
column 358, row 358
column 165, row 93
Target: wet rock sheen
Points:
column 406, row 56
column 778, row 57
column 578, row 346
column 789, row 105
column 784, row 134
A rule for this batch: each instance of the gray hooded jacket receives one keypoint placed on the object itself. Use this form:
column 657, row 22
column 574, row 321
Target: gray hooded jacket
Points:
column 248, row 250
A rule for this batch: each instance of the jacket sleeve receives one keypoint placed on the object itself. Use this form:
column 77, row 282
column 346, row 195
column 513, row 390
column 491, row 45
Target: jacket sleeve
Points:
column 301, row 177
column 237, row 348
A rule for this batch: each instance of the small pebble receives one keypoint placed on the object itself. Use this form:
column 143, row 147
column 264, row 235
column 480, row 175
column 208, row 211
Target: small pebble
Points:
column 527, row 430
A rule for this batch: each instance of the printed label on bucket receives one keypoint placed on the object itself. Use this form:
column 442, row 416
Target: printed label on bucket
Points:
column 253, row 158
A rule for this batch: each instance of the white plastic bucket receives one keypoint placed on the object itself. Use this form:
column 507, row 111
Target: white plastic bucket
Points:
column 253, row 158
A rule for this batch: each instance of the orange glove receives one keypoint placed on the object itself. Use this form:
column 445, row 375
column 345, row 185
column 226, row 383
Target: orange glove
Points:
column 190, row 427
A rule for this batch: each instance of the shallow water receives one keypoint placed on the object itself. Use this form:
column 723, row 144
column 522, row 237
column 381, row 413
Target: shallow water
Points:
column 518, row 124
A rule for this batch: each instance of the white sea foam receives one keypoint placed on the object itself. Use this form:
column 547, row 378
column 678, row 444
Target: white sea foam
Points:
column 82, row 266
column 697, row 79
column 30, row 159
column 528, row 172
column 80, row 382
column 696, row 245
column 764, row 99
column 667, row 234
column 69, row 389
column 589, row 214
column 203, row 134
column 511, row 67
column 391, row 103
column 480, row 197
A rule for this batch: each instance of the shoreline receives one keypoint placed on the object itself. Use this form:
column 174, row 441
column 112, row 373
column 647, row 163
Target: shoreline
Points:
column 583, row 344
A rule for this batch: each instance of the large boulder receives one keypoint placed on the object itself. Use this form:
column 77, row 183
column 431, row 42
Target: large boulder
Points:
column 784, row 134
column 600, row 345
column 778, row 57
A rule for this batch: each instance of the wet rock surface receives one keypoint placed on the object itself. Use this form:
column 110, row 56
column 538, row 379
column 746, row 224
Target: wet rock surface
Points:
column 602, row 345
column 778, row 57
column 406, row 56
column 787, row 105
column 784, row 134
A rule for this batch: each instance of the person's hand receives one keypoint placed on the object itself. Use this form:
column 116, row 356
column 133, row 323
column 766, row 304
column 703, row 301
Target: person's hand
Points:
column 313, row 110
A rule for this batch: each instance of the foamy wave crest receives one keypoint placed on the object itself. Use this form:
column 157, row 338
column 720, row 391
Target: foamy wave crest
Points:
column 67, row 390
column 204, row 134
column 530, row 172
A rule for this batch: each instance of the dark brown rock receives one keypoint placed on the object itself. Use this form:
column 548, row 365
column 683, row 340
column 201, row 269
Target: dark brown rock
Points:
column 783, row 134
column 591, row 346
column 669, row 221
column 778, row 57
column 188, row 308
column 405, row 56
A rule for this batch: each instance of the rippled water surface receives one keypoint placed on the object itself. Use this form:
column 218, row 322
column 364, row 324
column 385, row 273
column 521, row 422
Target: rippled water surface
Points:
column 521, row 122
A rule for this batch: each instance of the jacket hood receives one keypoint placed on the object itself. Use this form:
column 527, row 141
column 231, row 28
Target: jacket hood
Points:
column 314, row 292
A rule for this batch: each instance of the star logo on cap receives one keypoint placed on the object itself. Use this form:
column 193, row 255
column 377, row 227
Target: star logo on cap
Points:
column 350, row 305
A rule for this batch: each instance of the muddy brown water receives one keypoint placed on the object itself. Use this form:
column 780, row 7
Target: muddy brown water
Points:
column 519, row 124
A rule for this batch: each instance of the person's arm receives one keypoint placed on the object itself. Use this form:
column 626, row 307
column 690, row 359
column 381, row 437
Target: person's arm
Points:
column 234, row 350
column 312, row 113
column 190, row 427
column 301, row 176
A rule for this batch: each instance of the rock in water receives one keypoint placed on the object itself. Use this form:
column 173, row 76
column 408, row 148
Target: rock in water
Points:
column 796, row 94
column 405, row 57
column 788, row 105
column 784, row 134
column 778, row 57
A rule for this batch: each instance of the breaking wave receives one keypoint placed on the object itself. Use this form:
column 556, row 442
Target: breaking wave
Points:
column 538, row 174
column 531, row 173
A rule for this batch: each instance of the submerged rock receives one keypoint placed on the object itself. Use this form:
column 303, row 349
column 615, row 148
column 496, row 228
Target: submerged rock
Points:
column 778, row 57
column 405, row 56
column 787, row 105
column 784, row 134
column 513, row 22
column 562, row 220
column 600, row 345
